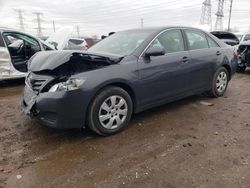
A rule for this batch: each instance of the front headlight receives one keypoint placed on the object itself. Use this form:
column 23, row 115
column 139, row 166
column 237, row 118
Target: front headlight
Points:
column 69, row 85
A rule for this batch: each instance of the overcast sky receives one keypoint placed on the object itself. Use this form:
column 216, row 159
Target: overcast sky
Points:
column 102, row 16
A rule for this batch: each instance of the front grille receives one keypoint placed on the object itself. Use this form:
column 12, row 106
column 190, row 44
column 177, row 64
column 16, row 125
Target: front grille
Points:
column 36, row 84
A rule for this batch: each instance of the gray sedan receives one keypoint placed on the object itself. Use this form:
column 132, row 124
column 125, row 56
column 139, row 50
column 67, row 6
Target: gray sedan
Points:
column 125, row 73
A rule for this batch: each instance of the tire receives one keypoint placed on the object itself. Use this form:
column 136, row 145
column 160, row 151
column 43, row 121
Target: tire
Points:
column 110, row 111
column 241, row 69
column 219, row 83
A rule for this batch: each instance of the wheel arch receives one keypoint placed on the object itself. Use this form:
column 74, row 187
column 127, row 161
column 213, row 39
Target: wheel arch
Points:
column 228, row 70
column 125, row 86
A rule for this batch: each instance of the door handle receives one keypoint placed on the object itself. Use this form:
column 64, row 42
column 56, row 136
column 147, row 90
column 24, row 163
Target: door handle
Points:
column 218, row 53
column 185, row 59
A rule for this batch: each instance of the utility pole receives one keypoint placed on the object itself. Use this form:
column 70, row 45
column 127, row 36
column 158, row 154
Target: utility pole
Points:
column 142, row 22
column 20, row 18
column 78, row 31
column 206, row 18
column 39, row 25
column 220, row 15
column 54, row 26
column 230, row 14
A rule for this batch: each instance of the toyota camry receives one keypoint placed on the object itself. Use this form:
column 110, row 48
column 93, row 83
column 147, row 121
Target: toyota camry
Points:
column 126, row 73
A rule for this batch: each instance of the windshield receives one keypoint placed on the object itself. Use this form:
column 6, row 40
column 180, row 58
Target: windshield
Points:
column 120, row 44
column 246, row 37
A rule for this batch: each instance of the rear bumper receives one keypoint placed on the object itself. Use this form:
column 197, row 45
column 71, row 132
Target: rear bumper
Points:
column 61, row 110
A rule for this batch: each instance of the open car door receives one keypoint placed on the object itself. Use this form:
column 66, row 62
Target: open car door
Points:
column 21, row 47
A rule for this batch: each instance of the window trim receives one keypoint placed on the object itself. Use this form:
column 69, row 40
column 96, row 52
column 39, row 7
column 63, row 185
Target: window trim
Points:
column 149, row 44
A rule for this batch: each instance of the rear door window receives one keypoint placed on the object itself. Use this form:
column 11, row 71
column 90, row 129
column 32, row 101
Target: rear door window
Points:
column 75, row 41
column 196, row 40
column 212, row 43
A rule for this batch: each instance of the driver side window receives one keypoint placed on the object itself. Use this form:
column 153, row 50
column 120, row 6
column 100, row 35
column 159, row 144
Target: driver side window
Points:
column 20, row 45
column 171, row 41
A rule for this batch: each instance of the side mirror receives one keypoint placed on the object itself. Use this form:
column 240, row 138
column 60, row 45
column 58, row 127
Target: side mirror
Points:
column 155, row 51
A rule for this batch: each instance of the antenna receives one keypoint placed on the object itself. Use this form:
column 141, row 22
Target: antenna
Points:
column 206, row 18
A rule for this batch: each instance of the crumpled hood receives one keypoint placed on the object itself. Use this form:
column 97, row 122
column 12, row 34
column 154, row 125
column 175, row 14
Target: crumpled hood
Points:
column 77, row 61
column 48, row 60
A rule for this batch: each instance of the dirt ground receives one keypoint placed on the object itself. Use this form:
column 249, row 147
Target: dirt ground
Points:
column 184, row 144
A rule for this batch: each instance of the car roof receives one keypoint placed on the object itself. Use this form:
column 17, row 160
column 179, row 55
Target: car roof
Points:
column 77, row 38
column 158, row 29
column 5, row 29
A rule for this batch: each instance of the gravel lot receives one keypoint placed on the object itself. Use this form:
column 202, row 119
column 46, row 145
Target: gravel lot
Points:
column 180, row 145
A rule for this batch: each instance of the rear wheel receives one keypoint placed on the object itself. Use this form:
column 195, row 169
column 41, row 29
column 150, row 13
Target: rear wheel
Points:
column 110, row 111
column 220, row 82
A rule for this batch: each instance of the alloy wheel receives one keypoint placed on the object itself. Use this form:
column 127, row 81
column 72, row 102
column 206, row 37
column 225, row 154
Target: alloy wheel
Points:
column 113, row 112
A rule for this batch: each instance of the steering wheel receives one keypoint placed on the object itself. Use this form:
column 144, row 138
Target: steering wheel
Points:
column 20, row 48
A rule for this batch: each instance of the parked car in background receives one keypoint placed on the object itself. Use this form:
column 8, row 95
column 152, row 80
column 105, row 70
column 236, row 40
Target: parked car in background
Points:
column 125, row 73
column 243, row 53
column 76, row 44
column 245, row 37
column 90, row 41
column 227, row 37
column 16, row 48
column 63, row 40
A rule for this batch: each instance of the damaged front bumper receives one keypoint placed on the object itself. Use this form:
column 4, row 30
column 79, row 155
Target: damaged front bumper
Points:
column 61, row 110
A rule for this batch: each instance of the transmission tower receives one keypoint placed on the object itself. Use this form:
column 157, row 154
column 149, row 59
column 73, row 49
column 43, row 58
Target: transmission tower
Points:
column 20, row 19
column 206, row 18
column 39, row 25
column 219, row 24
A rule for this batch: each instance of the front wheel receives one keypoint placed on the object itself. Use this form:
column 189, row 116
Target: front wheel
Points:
column 220, row 82
column 110, row 111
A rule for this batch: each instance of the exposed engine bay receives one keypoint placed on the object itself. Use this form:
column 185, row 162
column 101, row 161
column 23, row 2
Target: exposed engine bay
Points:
column 244, row 54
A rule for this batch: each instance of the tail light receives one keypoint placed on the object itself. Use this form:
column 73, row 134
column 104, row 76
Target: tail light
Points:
column 84, row 48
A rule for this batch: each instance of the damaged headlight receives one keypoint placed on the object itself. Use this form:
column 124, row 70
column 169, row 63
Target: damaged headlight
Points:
column 69, row 85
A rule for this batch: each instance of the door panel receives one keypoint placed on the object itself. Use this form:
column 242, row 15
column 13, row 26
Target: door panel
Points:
column 163, row 77
column 203, row 59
